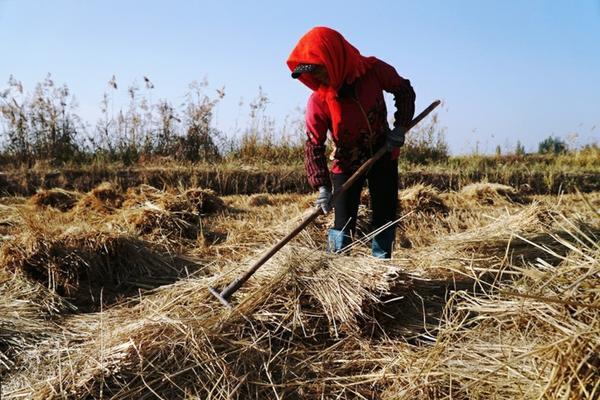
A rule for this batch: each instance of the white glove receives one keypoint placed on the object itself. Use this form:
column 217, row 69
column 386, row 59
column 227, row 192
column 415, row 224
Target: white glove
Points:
column 324, row 199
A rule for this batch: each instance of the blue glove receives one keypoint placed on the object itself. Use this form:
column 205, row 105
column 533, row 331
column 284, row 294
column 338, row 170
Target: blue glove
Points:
column 324, row 199
column 395, row 137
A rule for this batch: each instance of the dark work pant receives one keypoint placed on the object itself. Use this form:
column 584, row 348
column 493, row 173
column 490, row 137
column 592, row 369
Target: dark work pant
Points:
column 383, row 187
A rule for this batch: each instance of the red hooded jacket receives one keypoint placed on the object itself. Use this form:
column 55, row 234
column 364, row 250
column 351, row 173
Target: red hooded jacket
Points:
column 351, row 106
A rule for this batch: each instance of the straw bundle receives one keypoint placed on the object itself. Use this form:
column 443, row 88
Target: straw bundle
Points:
column 141, row 194
column 105, row 198
column 341, row 287
column 301, row 201
column 202, row 201
column 85, row 264
column 155, row 221
column 475, row 250
column 164, row 216
column 534, row 336
column 490, row 193
column 61, row 199
column 25, row 308
column 534, row 218
column 297, row 321
column 422, row 198
column 12, row 200
column 10, row 219
column 259, row 200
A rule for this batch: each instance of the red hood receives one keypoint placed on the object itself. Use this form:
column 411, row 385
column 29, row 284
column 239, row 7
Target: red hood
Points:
column 344, row 63
column 329, row 48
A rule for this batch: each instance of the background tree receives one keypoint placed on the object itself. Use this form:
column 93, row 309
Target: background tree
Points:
column 552, row 145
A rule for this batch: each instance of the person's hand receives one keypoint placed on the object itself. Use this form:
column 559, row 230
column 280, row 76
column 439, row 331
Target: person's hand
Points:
column 395, row 138
column 324, row 199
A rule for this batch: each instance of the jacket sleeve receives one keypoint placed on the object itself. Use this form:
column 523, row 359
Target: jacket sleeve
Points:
column 404, row 95
column 315, row 161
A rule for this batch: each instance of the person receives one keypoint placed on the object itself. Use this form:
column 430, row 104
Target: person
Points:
column 347, row 101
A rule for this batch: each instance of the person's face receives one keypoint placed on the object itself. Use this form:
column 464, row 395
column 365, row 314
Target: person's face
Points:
column 320, row 74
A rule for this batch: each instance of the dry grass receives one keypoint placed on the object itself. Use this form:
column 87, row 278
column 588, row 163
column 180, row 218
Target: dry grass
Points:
column 299, row 316
column 89, row 263
column 170, row 218
column 61, row 199
column 491, row 302
column 490, row 193
column 535, row 335
column 422, row 198
column 25, row 308
column 105, row 198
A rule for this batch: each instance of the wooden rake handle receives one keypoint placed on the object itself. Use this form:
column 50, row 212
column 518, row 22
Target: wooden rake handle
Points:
column 227, row 292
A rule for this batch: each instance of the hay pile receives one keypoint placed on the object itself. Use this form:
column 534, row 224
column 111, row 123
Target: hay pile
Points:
column 198, row 200
column 170, row 217
column 534, row 336
column 204, row 201
column 154, row 221
column 474, row 251
column 422, row 198
column 25, row 309
column 491, row 193
column 137, row 196
column 260, row 199
column 288, row 337
column 103, row 199
column 86, row 265
column 57, row 198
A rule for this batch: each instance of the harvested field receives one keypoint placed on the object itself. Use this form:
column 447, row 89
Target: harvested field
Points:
column 490, row 293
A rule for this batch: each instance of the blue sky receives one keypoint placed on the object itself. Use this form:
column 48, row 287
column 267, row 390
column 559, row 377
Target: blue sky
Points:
column 506, row 70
